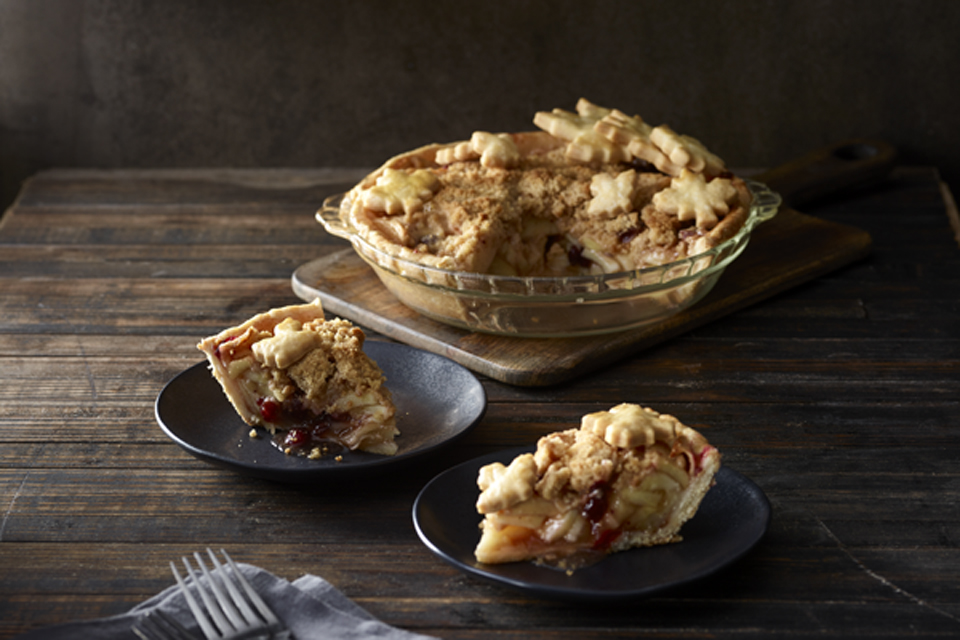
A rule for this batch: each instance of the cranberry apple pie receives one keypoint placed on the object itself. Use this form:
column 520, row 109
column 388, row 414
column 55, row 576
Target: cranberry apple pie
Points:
column 591, row 192
column 306, row 380
column 628, row 477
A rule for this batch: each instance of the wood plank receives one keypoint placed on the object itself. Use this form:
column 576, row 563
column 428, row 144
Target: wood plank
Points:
column 472, row 620
column 232, row 223
column 98, row 380
column 773, row 431
column 103, row 187
column 838, row 397
column 168, row 261
column 437, row 597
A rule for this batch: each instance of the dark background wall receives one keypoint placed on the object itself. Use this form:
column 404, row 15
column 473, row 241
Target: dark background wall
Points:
column 292, row 83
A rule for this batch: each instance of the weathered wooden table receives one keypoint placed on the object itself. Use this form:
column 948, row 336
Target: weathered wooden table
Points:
column 840, row 398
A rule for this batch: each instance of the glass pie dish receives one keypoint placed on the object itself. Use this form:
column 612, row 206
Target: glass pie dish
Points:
column 549, row 307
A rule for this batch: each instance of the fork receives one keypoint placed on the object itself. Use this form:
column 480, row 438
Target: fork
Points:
column 226, row 614
column 159, row 625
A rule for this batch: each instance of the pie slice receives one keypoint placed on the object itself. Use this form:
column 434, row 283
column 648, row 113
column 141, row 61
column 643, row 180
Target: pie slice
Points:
column 628, row 477
column 306, row 379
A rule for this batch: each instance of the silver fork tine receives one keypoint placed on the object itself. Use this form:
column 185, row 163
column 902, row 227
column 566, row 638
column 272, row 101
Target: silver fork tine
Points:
column 236, row 622
column 227, row 614
column 255, row 598
column 205, row 625
column 231, row 586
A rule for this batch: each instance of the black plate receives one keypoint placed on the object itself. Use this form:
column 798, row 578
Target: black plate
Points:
column 437, row 402
column 732, row 518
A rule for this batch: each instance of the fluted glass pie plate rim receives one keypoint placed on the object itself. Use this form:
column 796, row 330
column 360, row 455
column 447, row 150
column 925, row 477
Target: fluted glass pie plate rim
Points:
column 552, row 306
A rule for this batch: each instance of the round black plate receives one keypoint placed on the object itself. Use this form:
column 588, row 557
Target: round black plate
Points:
column 732, row 518
column 437, row 401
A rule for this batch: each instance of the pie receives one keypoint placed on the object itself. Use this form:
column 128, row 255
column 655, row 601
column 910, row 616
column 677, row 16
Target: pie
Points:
column 591, row 192
column 628, row 477
column 306, row 380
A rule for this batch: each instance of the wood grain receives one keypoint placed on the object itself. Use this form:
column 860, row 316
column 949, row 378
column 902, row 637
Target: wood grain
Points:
column 838, row 396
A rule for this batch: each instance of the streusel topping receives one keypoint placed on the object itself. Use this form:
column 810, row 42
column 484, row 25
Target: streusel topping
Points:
column 595, row 191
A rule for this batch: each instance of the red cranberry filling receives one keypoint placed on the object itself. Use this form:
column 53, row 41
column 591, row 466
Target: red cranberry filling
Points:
column 690, row 232
column 270, row 409
column 627, row 235
column 698, row 460
column 597, row 503
column 605, row 539
column 575, row 256
column 300, row 430
column 296, row 438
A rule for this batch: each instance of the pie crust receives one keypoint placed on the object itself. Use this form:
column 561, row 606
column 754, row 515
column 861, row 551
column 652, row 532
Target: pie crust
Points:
column 592, row 192
column 628, row 477
column 306, row 380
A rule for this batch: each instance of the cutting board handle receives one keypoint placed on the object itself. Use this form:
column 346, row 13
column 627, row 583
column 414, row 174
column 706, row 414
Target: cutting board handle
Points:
column 857, row 162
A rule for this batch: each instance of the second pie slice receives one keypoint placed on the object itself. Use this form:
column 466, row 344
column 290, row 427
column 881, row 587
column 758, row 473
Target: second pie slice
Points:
column 306, row 379
column 628, row 477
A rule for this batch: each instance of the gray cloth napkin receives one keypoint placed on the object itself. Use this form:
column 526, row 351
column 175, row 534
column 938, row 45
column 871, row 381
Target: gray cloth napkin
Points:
column 310, row 606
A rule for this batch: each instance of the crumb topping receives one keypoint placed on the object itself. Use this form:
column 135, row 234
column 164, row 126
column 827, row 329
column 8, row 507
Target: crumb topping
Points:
column 568, row 463
column 596, row 191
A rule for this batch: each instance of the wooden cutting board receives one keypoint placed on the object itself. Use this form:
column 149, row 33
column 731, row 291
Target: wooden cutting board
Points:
column 789, row 250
